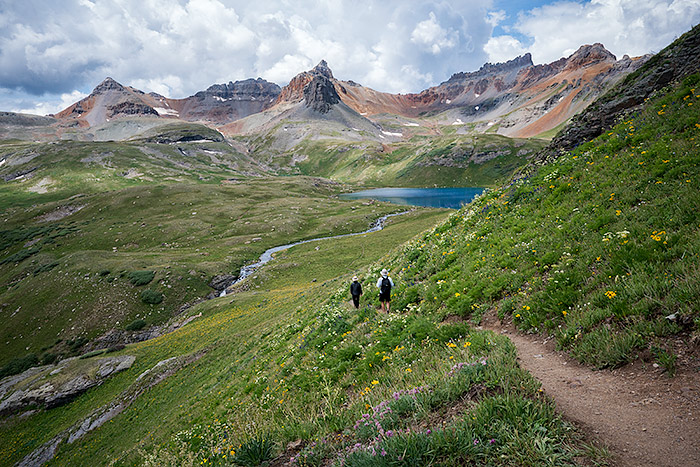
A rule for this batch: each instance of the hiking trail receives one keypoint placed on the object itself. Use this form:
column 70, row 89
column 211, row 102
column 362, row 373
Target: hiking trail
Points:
column 641, row 415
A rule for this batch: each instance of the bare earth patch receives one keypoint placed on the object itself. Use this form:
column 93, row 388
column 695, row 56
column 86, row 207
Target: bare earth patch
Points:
column 42, row 186
column 60, row 213
column 644, row 417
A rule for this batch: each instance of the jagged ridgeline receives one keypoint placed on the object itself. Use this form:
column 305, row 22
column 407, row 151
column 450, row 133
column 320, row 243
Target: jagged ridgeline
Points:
column 102, row 242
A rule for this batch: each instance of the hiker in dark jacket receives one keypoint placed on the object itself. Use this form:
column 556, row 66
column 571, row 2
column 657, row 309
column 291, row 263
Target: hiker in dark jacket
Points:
column 356, row 292
column 385, row 284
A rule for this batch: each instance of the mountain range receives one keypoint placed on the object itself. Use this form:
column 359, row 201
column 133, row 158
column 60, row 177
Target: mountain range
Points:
column 515, row 99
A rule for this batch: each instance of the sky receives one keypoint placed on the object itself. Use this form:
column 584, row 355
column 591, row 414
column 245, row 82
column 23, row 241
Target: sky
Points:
column 54, row 52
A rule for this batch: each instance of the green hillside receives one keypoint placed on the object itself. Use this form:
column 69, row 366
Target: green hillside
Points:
column 447, row 159
column 598, row 248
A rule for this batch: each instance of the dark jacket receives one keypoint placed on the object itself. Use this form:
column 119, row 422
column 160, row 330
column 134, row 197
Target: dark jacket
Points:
column 356, row 289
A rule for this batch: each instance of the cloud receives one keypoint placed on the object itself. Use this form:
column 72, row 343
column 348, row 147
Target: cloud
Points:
column 430, row 36
column 179, row 47
column 503, row 48
column 392, row 46
column 632, row 27
column 46, row 108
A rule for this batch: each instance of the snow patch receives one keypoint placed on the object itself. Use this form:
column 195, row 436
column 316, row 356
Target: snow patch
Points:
column 363, row 113
column 221, row 99
column 164, row 111
column 447, row 101
column 476, row 95
column 410, row 124
column 356, row 129
column 476, row 107
column 388, row 133
column 2, row 162
column 490, row 124
column 458, row 122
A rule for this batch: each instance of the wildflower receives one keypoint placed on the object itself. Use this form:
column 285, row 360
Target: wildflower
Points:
column 456, row 294
column 563, row 312
column 618, row 212
column 467, row 344
column 517, row 315
column 610, row 294
column 375, row 382
column 408, row 370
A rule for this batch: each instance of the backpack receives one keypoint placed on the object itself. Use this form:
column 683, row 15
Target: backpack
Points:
column 386, row 286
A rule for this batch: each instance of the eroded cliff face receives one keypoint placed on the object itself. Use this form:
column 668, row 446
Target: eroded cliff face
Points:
column 516, row 98
column 224, row 103
column 674, row 63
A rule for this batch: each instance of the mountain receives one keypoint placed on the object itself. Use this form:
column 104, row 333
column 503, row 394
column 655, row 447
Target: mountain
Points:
column 676, row 61
column 224, row 103
column 111, row 100
column 515, row 98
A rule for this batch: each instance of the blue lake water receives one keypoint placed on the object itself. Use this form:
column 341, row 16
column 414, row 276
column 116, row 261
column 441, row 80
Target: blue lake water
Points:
column 452, row 198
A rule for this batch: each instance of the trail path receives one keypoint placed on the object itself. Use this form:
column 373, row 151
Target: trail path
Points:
column 642, row 416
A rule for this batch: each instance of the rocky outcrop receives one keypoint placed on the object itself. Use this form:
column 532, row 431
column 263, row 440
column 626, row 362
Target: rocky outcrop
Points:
column 130, row 108
column 225, row 103
column 294, row 91
column 52, row 386
column 102, row 415
column 675, row 62
column 320, row 94
column 222, row 281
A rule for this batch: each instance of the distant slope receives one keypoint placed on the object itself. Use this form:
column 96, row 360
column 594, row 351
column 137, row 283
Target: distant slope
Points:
column 678, row 60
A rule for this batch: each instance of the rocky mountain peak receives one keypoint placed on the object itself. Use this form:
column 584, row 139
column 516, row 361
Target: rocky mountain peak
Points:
column 588, row 55
column 108, row 85
column 322, row 69
column 320, row 94
column 487, row 69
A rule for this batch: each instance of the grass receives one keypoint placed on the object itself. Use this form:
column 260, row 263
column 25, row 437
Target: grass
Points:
column 89, row 267
column 447, row 160
column 596, row 248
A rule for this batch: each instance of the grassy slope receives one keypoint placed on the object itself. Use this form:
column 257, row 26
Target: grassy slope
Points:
column 597, row 248
column 419, row 161
column 185, row 229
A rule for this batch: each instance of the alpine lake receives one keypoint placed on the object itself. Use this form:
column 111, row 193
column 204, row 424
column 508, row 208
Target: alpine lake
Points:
column 451, row 198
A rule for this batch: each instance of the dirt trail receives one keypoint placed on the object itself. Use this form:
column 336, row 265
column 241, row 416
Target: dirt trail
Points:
column 642, row 416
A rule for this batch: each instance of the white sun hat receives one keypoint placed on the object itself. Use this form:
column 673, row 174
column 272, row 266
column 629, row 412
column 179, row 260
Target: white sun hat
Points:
column 385, row 273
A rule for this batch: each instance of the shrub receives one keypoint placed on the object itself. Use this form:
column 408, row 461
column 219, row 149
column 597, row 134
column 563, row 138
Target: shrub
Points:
column 140, row 277
column 48, row 358
column 18, row 365
column 76, row 343
column 138, row 324
column 151, row 297
column 256, row 451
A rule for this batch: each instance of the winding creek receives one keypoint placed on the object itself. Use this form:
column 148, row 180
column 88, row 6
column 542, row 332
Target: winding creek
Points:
column 268, row 255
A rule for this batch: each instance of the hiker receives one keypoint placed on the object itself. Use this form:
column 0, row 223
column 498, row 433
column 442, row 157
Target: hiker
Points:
column 356, row 292
column 385, row 284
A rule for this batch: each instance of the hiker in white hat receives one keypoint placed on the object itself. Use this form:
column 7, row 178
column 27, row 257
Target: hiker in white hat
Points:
column 385, row 284
column 356, row 292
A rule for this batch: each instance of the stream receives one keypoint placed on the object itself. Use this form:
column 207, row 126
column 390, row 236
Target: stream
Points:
column 268, row 254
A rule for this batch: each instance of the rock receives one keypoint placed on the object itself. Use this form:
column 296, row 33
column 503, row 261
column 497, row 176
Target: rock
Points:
column 54, row 388
column 222, row 281
column 320, row 94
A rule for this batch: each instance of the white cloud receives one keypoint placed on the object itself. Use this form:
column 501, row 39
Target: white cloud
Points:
column 431, row 36
column 179, row 47
column 503, row 48
column 632, row 27
column 46, row 108
column 494, row 18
